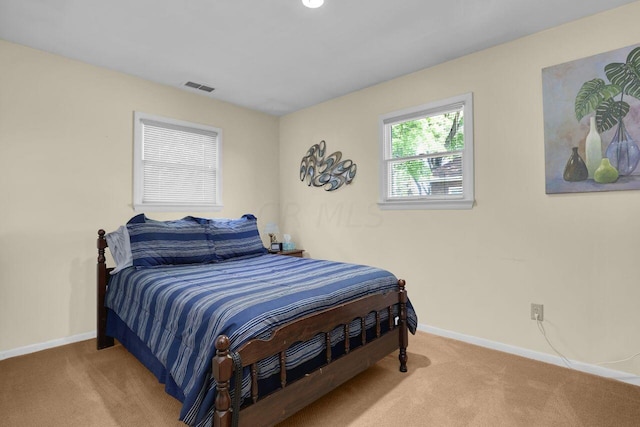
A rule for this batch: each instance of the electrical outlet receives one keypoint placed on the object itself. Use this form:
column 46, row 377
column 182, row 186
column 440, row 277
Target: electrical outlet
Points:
column 537, row 309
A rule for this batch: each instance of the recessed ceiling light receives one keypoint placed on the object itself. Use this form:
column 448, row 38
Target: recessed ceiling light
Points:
column 313, row 3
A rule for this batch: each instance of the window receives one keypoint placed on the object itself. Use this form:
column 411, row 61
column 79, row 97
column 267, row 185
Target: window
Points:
column 176, row 165
column 427, row 156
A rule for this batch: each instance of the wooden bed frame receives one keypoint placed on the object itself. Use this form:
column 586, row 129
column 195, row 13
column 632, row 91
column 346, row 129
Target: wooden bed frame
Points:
column 291, row 397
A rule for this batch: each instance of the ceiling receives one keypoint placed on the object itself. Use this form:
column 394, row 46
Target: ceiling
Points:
column 278, row 56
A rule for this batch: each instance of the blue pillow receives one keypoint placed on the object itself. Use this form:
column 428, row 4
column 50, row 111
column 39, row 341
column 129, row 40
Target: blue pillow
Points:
column 183, row 241
column 236, row 237
column 140, row 219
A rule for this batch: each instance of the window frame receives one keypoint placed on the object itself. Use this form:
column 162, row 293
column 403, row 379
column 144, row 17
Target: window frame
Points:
column 466, row 200
column 138, row 167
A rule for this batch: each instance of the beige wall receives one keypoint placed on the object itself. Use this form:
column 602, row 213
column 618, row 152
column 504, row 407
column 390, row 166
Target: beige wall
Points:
column 476, row 271
column 65, row 163
column 66, row 135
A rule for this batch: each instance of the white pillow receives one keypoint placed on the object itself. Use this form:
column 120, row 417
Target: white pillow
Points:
column 120, row 248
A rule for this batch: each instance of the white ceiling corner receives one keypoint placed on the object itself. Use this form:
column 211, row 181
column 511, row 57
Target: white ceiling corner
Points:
column 278, row 56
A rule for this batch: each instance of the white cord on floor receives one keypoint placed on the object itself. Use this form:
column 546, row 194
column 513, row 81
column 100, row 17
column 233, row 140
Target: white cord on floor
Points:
column 544, row 334
column 567, row 361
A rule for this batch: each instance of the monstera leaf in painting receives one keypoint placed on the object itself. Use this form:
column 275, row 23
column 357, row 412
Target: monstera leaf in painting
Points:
column 609, row 113
column 627, row 75
column 592, row 94
column 597, row 96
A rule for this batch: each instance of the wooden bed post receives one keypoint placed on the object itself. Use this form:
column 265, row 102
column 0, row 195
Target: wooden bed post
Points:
column 222, row 372
column 103, row 341
column 402, row 323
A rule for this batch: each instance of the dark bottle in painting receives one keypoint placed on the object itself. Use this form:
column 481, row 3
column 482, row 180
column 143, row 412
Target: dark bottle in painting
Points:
column 576, row 169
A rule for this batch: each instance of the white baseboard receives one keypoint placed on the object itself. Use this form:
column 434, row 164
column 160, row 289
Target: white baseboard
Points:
column 20, row 351
column 535, row 355
column 494, row 345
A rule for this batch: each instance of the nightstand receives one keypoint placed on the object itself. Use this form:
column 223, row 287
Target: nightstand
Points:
column 294, row 252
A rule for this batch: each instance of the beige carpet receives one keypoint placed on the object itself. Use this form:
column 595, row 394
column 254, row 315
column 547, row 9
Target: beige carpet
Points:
column 449, row 383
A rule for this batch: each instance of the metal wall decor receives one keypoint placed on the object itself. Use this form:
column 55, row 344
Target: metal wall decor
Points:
column 329, row 172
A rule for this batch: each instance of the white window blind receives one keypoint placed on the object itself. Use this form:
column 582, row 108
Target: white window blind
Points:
column 177, row 165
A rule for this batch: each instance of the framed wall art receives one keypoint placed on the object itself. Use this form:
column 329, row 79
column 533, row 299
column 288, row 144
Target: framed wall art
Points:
column 592, row 123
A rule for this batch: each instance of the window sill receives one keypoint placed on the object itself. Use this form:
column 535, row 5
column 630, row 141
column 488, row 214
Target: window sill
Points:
column 176, row 208
column 427, row 204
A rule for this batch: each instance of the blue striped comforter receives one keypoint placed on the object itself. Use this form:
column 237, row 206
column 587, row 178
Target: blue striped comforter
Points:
column 178, row 311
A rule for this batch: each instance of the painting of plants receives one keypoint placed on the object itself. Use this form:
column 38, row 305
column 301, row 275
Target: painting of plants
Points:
column 606, row 88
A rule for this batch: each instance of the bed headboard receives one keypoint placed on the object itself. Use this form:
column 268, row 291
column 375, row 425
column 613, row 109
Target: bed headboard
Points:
column 103, row 341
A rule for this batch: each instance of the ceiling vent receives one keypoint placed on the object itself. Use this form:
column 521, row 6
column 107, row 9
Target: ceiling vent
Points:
column 199, row 86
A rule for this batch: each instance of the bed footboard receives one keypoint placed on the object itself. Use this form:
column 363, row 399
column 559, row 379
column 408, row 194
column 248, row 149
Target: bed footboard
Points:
column 290, row 398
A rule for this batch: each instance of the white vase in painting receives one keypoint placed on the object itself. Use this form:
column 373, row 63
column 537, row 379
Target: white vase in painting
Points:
column 593, row 148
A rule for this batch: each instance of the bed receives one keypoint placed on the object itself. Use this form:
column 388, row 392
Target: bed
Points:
column 238, row 335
